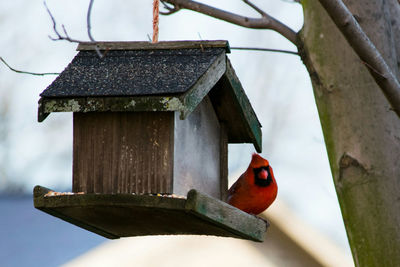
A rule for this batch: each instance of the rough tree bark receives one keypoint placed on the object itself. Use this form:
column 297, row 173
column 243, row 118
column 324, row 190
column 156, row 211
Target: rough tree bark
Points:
column 380, row 70
column 362, row 133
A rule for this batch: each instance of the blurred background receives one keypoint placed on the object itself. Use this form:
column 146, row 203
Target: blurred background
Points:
column 278, row 86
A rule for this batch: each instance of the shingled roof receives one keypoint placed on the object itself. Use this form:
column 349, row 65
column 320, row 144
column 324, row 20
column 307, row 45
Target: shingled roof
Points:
column 166, row 76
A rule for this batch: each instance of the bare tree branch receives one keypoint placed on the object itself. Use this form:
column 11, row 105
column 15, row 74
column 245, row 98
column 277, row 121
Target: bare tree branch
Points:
column 262, row 13
column 89, row 27
column 28, row 72
column 366, row 50
column 265, row 22
column 291, row 1
column 171, row 10
column 66, row 37
column 265, row 50
column 59, row 36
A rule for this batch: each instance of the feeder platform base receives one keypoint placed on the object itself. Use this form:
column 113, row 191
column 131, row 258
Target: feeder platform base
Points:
column 123, row 215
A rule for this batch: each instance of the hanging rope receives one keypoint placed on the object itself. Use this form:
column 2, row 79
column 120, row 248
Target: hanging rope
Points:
column 156, row 5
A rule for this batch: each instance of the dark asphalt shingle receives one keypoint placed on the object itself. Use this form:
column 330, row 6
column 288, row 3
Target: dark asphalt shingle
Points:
column 132, row 72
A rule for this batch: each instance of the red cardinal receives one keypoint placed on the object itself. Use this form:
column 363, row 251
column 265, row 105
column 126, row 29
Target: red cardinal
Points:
column 256, row 188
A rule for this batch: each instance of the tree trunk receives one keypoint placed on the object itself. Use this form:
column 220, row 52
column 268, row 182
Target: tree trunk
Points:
column 362, row 133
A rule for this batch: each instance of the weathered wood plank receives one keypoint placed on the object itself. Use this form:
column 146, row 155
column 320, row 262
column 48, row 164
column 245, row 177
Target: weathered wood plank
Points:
column 252, row 128
column 205, row 83
column 40, row 203
column 153, row 46
column 123, row 215
column 99, row 104
column 223, row 162
column 122, row 152
column 225, row 215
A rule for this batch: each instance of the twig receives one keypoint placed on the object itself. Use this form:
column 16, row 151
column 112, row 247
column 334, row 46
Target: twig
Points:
column 291, row 1
column 28, row 72
column 372, row 69
column 89, row 27
column 66, row 37
column 262, row 13
column 171, row 10
column 265, row 50
column 366, row 50
column 265, row 22
column 59, row 36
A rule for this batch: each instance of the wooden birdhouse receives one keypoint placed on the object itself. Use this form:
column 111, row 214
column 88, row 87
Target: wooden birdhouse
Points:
column 151, row 127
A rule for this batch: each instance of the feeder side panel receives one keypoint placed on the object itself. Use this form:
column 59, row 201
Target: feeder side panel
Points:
column 197, row 151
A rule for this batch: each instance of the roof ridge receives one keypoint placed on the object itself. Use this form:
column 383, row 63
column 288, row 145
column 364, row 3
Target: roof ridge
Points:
column 135, row 45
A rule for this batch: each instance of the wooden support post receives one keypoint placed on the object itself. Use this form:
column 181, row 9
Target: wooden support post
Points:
column 223, row 162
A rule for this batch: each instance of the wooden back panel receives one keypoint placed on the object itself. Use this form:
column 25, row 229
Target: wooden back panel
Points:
column 123, row 152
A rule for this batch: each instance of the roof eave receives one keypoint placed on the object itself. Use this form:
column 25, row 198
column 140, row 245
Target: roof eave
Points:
column 169, row 45
column 248, row 116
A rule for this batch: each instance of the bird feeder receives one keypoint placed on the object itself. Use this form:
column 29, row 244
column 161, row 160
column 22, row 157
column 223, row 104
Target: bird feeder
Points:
column 151, row 127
